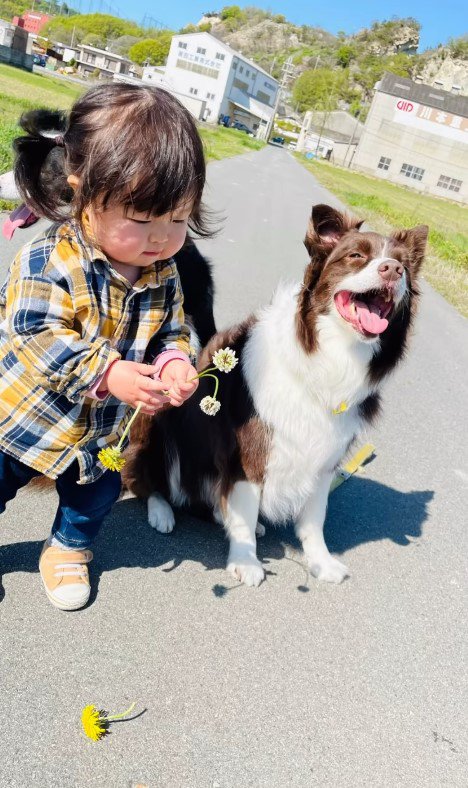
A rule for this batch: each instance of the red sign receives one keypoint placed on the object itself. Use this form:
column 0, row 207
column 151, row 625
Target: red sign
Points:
column 405, row 106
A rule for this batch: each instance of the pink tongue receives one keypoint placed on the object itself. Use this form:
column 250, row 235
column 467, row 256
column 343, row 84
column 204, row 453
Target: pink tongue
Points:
column 369, row 318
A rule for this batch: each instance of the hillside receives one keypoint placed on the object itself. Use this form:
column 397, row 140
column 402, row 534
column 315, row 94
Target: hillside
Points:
column 337, row 71
column 330, row 71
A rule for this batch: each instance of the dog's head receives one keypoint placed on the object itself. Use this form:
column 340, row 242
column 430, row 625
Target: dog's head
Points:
column 363, row 280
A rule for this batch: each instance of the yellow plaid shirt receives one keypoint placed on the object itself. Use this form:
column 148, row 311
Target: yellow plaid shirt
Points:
column 65, row 314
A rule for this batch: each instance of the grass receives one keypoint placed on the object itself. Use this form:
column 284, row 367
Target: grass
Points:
column 221, row 143
column 21, row 91
column 387, row 206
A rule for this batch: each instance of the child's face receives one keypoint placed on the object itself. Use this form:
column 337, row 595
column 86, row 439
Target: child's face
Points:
column 138, row 239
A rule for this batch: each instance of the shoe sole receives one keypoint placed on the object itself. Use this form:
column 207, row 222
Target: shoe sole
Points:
column 63, row 605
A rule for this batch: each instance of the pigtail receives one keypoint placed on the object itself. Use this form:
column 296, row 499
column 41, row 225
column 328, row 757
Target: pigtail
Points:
column 40, row 163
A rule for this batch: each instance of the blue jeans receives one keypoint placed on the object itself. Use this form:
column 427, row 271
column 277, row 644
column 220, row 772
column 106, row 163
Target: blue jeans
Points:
column 82, row 507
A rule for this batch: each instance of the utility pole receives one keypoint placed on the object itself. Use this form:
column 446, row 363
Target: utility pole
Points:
column 351, row 140
column 288, row 71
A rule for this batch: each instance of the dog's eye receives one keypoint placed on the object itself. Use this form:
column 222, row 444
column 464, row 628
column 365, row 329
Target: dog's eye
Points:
column 356, row 255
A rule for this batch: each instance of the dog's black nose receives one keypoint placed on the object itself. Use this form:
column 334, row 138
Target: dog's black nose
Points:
column 390, row 270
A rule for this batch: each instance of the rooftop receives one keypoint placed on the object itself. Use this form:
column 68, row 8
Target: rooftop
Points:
column 424, row 94
column 101, row 52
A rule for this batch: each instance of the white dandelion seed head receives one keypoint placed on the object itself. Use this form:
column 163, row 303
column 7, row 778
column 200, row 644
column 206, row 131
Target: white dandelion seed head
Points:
column 210, row 406
column 225, row 359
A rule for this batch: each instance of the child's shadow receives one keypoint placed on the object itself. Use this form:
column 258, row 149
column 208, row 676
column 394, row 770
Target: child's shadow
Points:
column 360, row 511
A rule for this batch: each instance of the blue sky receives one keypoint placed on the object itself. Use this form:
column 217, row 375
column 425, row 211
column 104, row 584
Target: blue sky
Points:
column 440, row 20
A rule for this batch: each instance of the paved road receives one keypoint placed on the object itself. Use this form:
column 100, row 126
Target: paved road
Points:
column 294, row 683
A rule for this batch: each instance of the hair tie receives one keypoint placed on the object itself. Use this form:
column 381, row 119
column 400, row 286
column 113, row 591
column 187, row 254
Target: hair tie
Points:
column 59, row 140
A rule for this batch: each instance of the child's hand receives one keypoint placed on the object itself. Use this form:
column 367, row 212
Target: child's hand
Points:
column 133, row 383
column 177, row 377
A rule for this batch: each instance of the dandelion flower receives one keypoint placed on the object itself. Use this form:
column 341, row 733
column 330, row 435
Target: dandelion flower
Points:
column 210, row 406
column 225, row 359
column 342, row 408
column 95, row 722
column 111, row 458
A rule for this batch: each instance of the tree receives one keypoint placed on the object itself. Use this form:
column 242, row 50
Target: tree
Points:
column 231, row 12
column 121, row 46
column 103, row 25
column 320, row 89
column 93, row 40
column 153, row 51
column 345, row 54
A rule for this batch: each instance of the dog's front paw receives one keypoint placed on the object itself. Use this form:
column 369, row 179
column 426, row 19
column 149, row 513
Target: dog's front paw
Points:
column 160, row 514
column 329, row 571
column 246, row 569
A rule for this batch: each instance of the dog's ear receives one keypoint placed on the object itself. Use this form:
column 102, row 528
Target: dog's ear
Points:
column 415, row 241
column 326, row 227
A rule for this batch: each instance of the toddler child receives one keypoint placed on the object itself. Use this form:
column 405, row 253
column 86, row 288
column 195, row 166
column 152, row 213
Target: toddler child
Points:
column 92, row 323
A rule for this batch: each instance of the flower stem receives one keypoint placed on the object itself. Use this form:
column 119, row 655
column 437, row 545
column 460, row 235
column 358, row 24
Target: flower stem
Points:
column 124, row 713
column 127, row 428
column 202, row 374
column 207, row 375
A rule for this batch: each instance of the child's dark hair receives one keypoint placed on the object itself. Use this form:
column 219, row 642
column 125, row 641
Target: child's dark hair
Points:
column 127, row 144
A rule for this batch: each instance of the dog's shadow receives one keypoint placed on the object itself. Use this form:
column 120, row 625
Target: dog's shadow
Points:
column 359, row 511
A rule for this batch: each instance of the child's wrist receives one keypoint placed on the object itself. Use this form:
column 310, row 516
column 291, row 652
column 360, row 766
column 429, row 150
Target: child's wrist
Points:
column 103, row 385
column 166, row 357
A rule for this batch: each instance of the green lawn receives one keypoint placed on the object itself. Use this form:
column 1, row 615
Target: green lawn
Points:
column 221, row 142
column 387, row 206
column 20, row 91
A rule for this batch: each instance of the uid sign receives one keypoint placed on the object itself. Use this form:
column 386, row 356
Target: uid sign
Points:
column 405, row 106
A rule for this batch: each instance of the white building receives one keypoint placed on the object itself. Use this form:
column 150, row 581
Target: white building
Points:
column 201, row 66
column 416, row 135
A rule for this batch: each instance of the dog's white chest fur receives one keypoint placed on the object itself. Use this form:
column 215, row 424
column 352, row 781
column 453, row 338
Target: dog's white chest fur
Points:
column 295, row 393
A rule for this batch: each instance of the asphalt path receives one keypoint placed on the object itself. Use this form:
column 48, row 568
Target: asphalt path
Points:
column 294, row 683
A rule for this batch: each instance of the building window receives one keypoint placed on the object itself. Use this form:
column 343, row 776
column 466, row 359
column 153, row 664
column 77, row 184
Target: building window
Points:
column 210, row 96
column 234, row 65
column 247, row 73
column 412, row 172
column 269, row 85
column 262, row 96
column 237, row 83
column 193, row 91
column 452, row 184
column 384, row 163
column 241, row 69
column 201, row 51
column 219, row 56
column 182, row 45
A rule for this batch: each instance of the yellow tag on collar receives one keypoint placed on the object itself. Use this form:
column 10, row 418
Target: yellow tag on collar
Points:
column 342, row 408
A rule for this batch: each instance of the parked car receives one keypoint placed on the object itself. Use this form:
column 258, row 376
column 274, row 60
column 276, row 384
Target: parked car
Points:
column 236, row 124
column 292, row 145
column 278, row 140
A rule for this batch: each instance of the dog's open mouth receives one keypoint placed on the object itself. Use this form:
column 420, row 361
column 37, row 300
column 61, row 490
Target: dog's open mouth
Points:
column 367, row 312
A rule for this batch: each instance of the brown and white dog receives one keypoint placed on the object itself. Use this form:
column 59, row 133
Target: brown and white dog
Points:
column 311, row 368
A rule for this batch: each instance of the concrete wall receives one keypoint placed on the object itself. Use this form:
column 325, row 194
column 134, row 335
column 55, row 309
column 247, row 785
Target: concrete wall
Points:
column 410, row 133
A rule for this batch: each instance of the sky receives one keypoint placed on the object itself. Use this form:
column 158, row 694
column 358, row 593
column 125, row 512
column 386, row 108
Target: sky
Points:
column 440, row 20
